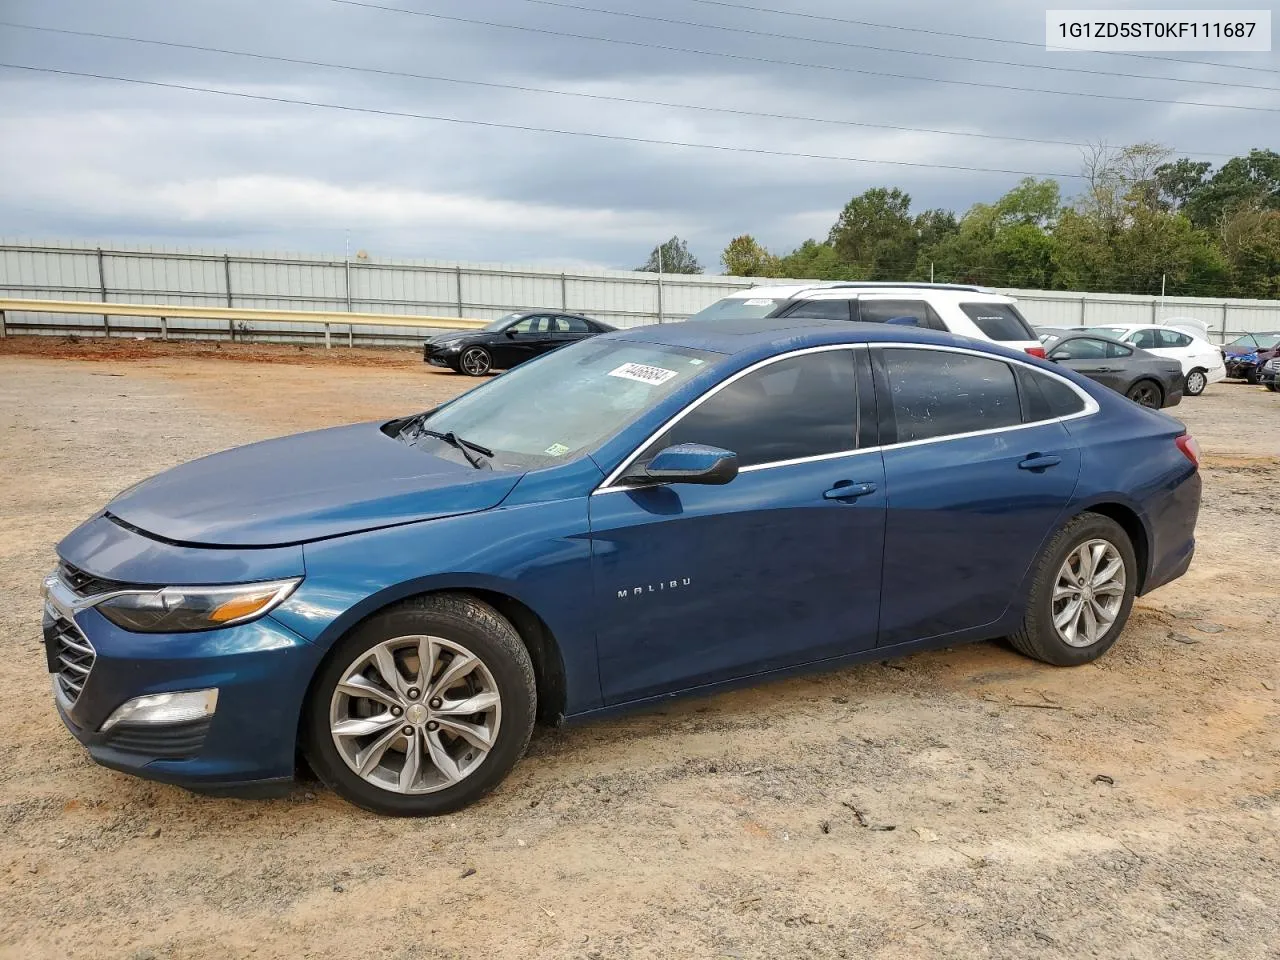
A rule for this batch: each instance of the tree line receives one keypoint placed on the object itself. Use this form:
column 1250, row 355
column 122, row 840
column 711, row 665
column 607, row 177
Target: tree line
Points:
column 1144, row 223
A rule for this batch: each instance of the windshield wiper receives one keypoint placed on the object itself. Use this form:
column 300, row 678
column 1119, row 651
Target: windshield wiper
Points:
column 462, row 446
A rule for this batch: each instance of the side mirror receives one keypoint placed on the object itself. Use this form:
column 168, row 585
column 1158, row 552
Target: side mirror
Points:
column 692, row 463
column 1060, row 355
column 511, row 332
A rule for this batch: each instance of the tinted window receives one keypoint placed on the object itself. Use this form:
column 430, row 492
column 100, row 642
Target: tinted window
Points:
column 535, row 324
column 937, row 393
column 822, row 309
column 881, row 311
column 573, row 325
column 1146, row 339
column 801, row 407
column 999, row 321
column 1118, row 350
column 1045, row 397
column 1172, row 338
column 1081, row 348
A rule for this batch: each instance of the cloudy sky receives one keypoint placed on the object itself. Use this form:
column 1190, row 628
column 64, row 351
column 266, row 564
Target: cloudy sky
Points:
column 104, row 160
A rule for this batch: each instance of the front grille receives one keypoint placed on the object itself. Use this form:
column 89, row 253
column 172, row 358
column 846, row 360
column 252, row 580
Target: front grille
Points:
column 71, row 655
column 177, row 741
column 86, row 584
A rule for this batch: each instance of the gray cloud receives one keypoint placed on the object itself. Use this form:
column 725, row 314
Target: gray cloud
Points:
column 88, row 158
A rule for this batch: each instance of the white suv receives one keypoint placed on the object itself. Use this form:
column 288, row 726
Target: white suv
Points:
column 968, row 311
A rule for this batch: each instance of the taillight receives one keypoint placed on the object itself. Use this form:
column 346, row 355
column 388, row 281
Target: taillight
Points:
column 1190, row 449
column 1036, row 352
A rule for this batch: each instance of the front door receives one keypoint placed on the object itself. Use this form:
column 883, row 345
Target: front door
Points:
column 524, row 340
column 1095, row 359
column 695, row 584
column 977, row 476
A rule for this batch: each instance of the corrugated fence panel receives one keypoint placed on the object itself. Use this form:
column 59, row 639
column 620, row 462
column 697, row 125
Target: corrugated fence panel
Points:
column 140, row 274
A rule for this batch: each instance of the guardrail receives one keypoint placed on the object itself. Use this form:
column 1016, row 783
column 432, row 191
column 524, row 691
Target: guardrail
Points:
column 233, row 315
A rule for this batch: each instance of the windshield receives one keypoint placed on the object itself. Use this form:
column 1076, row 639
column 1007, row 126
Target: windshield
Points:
column 740, row 308
column 554, row 408
column 496, row 325
column 1256, row 341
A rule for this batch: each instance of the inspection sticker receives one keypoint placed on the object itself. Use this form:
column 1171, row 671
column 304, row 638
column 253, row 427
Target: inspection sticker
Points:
column 556, row 450
column 643, row 373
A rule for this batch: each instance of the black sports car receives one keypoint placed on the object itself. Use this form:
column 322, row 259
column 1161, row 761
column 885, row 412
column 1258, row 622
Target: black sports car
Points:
column 1143, row 377
column 509, row 340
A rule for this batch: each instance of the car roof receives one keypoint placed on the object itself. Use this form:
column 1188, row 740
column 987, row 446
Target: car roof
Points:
column 769, row 334
column 850, row 288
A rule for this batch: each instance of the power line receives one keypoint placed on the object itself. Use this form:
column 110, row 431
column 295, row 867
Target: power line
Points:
column 528, row 128
column 970, row 36
column 299, row 61
column 797, row 63
column 915, row 53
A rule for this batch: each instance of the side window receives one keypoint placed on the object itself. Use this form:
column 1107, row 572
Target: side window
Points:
column 1080, row 348
column 572, row 325
column 998, row 321
column 1172, row 338
column 882, row 311
column 937, row 393
column 822, row 309
column 801, row 407
column 1145, row 339
column 1115, row 350
column 1045, row 397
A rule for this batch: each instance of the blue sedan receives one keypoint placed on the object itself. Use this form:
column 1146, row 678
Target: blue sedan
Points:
column 647, row 513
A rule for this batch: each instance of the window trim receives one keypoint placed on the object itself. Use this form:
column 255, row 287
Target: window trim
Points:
column 1091, row 407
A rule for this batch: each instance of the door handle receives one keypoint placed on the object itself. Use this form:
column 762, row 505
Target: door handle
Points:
column 1036, row 462
column 847, row 490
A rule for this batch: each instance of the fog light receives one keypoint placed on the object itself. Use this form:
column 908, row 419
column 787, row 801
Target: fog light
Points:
column 165, row 708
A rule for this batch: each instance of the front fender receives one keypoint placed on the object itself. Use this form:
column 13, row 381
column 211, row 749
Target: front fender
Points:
column 538, row 553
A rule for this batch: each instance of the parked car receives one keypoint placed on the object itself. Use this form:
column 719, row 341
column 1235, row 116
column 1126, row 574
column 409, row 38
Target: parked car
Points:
column 1178, row 339
column 651, row 512
column 965, row 310
column 509, row 341
column 1143, row 377
column 1245, row 355
column 1269, row 375
column 1051, row 335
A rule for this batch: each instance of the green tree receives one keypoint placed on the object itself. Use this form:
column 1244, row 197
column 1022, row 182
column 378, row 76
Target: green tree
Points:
column 671, row 257
column 744, row 257
column 814, row 260
column 1242, row 183
column 1179, row 181
column 1251, row 247
column 875, row 234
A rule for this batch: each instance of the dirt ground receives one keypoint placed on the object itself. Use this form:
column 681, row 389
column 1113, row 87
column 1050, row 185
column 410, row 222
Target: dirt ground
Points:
column 964, row 803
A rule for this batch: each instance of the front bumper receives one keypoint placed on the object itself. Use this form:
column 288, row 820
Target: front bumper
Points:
column 441, row 356
column 260, row 669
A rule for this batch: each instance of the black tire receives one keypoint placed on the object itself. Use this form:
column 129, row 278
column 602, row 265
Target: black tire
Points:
column 1037, row 637
column 1251, row 376
column 1146, row 393
column 454, row 617
column 1274, row 386
column 475, row 361
column 1195, row 382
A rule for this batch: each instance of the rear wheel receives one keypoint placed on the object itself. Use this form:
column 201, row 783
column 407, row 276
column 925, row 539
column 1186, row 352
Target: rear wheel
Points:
column 1146, row 393
column 1081, row 594
column 1195, row 383
column 423, row 708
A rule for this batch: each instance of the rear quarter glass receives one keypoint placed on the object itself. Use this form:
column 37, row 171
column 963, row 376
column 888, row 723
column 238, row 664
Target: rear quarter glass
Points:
column 999, row 321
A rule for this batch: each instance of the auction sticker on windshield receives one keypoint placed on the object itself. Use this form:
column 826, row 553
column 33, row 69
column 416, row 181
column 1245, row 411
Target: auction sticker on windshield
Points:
column 643, row 373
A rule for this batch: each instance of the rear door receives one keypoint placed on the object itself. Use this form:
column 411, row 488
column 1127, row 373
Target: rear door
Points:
column 979, row 473
column 873, row 309
column 570, row 330
column 1094, row 359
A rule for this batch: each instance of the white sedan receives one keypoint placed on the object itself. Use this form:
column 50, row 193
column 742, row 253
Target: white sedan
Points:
column 1184, row 340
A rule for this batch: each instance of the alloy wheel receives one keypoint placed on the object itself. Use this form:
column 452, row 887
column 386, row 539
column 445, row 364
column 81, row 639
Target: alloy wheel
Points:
column 1088, row 593
column 1196, row 383
column 415, row 714
column 475, row 362
column 1145, row 395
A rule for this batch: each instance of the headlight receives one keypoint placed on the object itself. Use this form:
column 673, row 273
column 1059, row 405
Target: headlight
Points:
column 184, row 609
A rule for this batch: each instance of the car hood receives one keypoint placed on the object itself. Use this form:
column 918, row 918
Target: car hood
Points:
column 452, row 336
column 306, row 487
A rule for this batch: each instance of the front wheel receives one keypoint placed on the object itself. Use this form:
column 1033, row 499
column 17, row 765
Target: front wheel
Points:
column 1081, row 594
column 1195, row 383
column 1251, row 376
column 475, row 361
column 423, row 708
column 1146, row 393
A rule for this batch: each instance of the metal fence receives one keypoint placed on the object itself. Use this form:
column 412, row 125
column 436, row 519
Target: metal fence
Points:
column 194, row 278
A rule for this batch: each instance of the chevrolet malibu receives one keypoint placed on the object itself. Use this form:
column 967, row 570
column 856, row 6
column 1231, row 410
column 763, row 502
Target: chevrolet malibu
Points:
column 647, row 513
